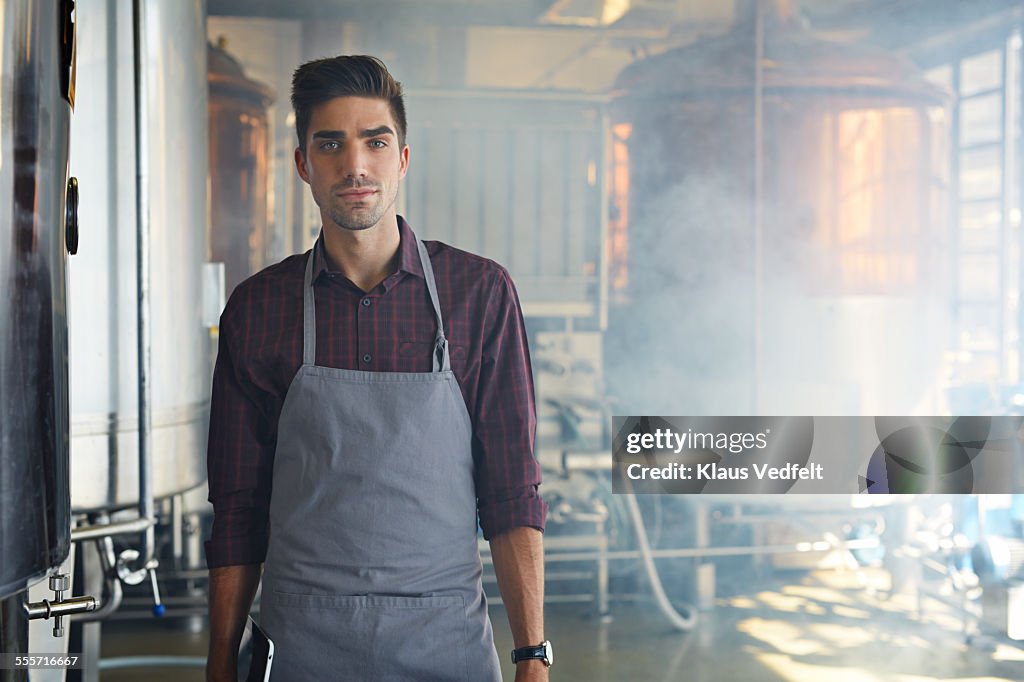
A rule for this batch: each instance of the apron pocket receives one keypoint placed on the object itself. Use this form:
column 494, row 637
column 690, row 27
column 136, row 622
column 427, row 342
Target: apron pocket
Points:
column 381, row 637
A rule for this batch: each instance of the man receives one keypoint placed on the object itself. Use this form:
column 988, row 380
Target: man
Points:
column 381, row 387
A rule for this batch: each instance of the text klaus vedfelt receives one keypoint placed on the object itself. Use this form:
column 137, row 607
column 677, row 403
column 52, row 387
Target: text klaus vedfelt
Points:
column 676, row 442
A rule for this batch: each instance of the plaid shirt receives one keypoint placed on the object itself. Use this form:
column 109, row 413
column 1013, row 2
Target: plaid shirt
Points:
column 389, row 329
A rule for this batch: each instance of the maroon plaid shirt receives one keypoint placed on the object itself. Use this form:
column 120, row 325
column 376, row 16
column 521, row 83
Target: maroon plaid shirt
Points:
column 390, row 329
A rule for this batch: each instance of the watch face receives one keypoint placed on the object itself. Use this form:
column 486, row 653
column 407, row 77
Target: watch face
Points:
column 549, row 653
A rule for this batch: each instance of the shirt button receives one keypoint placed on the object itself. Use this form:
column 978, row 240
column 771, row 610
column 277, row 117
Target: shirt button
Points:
column 366, row 302
column 367, row 357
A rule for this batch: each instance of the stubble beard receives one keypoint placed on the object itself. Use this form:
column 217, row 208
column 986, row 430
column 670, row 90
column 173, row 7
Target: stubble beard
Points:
column 350, row 221
column 360, row 219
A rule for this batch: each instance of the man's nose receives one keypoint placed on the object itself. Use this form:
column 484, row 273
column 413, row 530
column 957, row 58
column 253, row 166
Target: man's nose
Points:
column 354, row 161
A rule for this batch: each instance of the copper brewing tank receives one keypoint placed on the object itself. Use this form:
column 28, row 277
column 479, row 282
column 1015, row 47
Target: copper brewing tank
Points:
column 239, row 139
column 750, row 202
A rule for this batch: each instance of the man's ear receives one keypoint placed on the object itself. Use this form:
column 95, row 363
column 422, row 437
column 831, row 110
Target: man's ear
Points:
column 300, row 165
column 404, row 162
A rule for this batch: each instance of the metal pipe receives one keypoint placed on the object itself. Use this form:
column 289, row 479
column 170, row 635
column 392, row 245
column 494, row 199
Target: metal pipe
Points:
column 146, row 508
column 587, row 461
column 114, row 593
column 758, row 207
column 1018, row 38
column 699, row 552
column 542, row 81
column 181, row 612
column 184, row 574
column 684, row 619
column 152, row 662
column 110, row 529
column 783, row 515
column 178, row 528
column 553, row 599
column 47, row 609
column 528, row 95
column 1005, row 171
column 602, row 572
column 183, row 600
column 603, row 277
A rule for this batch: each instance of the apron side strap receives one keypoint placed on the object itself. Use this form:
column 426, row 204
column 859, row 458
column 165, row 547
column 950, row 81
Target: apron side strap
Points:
column 308, row 315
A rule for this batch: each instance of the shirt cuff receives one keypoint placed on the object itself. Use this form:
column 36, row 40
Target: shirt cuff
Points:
column 526, row 508
column 239, row 537
column 219, row 553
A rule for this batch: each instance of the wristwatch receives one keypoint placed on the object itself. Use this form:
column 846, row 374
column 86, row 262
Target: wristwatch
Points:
column 542, row 651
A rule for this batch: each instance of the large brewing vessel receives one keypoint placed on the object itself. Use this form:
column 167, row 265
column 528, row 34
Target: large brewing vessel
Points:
column 36, row 92
column 156, row 179
column 779, row 214
column 239, row 166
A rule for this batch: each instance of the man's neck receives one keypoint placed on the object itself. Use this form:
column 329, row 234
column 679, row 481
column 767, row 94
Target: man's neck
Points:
column 366, row 257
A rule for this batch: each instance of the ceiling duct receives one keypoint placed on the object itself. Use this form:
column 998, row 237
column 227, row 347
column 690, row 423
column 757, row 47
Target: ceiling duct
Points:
column 684, row 16
column 597, row 13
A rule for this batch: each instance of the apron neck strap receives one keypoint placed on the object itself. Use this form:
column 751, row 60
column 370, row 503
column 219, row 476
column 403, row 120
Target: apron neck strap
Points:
column 440, row 358
column 308, row 314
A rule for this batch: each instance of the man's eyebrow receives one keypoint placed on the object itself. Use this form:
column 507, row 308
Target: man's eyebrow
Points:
column 374, row 132
column 340, row 134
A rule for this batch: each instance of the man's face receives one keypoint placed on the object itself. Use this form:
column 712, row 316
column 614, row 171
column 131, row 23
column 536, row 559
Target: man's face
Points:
column 353, row 162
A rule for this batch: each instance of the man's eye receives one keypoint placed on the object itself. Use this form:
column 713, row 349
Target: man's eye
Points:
column 329, row 145
column 378, row 144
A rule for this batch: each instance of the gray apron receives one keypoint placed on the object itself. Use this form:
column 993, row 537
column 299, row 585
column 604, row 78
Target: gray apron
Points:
column 372, row 570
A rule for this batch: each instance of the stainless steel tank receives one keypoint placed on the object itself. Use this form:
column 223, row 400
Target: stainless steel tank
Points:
column 35, row 106
column 777, row 238
column 103, row 328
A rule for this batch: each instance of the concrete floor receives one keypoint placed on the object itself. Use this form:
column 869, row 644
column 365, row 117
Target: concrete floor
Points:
column 800, row 627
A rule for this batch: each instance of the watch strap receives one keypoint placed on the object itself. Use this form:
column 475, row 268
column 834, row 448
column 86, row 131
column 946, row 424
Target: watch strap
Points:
column 527, row 653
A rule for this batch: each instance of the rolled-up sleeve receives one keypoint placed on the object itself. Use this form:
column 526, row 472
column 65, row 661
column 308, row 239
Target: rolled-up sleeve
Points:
column 239, row 459
column 505, row 420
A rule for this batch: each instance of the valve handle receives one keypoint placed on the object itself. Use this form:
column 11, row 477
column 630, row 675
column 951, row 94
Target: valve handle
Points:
column 158, row 607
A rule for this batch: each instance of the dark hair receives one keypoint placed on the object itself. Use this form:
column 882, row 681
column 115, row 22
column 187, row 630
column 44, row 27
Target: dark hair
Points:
column 322, row 80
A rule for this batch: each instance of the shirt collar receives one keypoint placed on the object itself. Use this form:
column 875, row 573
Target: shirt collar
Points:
column 408, row 254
